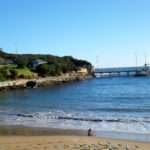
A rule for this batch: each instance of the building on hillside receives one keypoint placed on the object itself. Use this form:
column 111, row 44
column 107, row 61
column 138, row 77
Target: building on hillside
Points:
column 83, row 71
column 37, row 62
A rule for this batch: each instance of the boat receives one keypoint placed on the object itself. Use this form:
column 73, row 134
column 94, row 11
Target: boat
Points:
column 144, row 72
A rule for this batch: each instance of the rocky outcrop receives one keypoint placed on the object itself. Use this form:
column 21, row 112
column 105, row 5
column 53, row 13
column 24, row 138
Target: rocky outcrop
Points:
column 31, row 83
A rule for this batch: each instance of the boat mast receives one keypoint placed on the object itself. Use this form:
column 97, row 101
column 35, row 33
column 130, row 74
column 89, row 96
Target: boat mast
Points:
column 136, row 60
column 145, row 60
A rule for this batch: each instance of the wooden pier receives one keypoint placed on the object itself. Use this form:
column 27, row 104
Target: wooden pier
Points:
column 123, row 71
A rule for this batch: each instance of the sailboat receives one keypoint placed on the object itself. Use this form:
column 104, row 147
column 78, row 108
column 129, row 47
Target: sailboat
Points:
column 144, row 72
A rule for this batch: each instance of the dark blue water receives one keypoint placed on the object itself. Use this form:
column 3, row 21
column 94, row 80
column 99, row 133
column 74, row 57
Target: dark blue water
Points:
column 119, row 104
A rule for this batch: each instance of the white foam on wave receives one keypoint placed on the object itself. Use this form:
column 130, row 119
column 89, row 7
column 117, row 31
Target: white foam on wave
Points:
column 50, row 119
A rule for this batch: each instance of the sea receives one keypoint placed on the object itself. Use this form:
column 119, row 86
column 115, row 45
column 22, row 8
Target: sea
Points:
column 117, row 107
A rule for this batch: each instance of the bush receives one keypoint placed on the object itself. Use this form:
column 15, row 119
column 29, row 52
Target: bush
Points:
column 21, row 62
column 5, row 73
column 43, row 69
column 2, row 77
column 13, row 74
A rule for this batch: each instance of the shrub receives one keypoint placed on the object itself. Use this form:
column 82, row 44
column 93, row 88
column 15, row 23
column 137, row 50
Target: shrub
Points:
column 2, row 77
column 21, row 62
column 13, row 73
column 43, row 69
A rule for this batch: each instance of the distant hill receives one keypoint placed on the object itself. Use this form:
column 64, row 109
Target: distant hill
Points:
column 27, row 58
column 43, row 65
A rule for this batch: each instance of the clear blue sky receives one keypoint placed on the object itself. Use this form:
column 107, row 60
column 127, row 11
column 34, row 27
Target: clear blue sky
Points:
column 111, row 30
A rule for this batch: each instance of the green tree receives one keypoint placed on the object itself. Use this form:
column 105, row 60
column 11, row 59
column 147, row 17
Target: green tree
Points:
column 21, row 62
column 2, row 77
column 43, row 69
column 52, row 70
column 13, row 73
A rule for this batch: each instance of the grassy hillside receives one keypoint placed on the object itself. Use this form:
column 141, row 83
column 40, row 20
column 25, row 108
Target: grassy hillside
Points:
column 14, row 66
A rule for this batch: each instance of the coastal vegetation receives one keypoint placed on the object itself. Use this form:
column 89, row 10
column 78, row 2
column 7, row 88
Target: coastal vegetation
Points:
column 14, row 66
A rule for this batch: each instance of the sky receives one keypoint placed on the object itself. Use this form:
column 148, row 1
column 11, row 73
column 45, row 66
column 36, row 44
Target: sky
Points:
column 108, row 33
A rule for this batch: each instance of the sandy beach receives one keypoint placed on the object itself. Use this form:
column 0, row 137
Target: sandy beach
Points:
column 31, row 138
column 68, row 143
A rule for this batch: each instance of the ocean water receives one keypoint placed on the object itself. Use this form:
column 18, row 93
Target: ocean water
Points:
column 110, row 105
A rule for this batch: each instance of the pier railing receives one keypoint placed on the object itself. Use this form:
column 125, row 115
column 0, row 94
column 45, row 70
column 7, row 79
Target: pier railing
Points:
column 126, row 71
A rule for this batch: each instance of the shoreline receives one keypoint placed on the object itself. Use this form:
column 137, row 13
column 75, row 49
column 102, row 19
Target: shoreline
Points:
column 21, row 130
column 43, row 81
column 20, row 137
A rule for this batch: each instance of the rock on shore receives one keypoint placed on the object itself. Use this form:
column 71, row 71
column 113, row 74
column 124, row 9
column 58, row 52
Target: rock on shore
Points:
column 23, row 83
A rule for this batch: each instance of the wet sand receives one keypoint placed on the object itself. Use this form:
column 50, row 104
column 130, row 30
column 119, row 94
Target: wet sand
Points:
column 19, row 130
column 28, row 138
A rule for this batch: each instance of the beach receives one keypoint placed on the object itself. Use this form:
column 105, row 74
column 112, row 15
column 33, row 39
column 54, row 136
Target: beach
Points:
column 75, row 75
column 58, row 117
column 29, row 138
column 68, row 143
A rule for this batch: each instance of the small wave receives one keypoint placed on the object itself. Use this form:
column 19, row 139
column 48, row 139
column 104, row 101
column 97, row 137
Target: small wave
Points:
column 24, row 115
column 88, row 119
column 120, row 109
column 100, row 120
column 50, row 116
column 46, row 117
column 131, row 97
column 60, row 119
column 16, row 114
